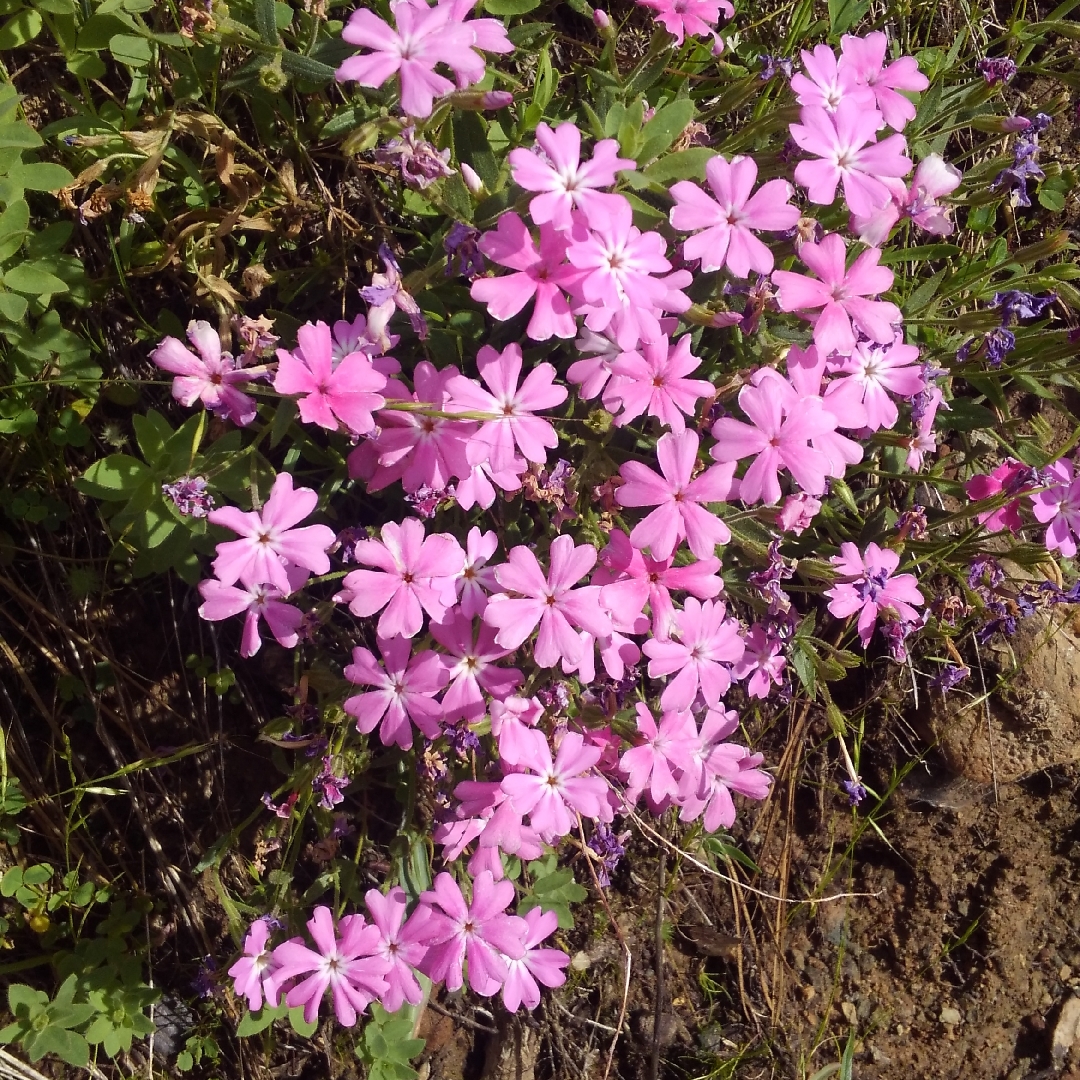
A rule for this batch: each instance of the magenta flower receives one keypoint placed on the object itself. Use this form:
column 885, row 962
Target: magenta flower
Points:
column 211, row 377
column 268, row 541
column 762, row 663
column 542, row 275
column 870, row 588
column 665, row 752
column 414, row 573
column 537, row 965
column 653, row 381
column 511, row 407
column 260, row 601
column 697, row 17
column 347, row 392
column 620, row 264
column 401, row 946
column 1059, row 507
column 553, row 792
column 405, row 689
column 563, row 180
column 481, row 933
column 730, row 216
column 551, row 602
column 779, row 438
column 879, row 370
column 1011, row 477
column 827, row 82
column 708, row 643
column 252, row 974
column 347, row 965
column 471, row 667
column 680, row 512
column 864, row 59
column 846, row 153
column 841, row 294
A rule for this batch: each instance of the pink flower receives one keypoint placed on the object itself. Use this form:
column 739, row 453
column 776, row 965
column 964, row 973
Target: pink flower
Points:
column 477, row 578
column 1059, row 507
column 864, row 59
column 268, row 542
column 871, row 588
column 264, row 601
column 211, row 377
column 252, row 974
column 697, row 17
column 827, row 83
column 560, row 176
column 537, row 965
column 480, row 932
column 843, row 143
column 1011, row 477
column 841, row 294
column 933, row 178
column 513, row 725
column 761, row 663
column 727, row 217
column 654, row 764
column 780, row 439
column 348, row 392
column 653, row 381
column 798, row 513
column 345, row 964
column 541, row 275
column 401, row 946
column 511, row 407
column 551, row 601
column 879, row 370
column 405, row 690
column 478, row 487
column 680, row 512
column 553, row 791
column 708, row 643
column 414, row 573
column 923, row 441
column 620, row 264
column 591, row 374
column 472, row 669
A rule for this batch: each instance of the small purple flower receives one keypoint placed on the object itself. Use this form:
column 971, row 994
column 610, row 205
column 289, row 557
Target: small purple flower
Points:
column 1015, row 304
column 996, row 69
column 771, row 66
column 463, row 741
column 283, row 809
column 460, row 243
column 425, row 501
column 985, row 572
column 189, row 496
column 555, row 697
column 387, row 294
column 610, row 848
column 341, row 827
column 911, row 524
column 949, row 676
column 420, row 163
column 767, row 581
column 347, row 540
column 328, row 786
column 998, row 344
column 856, row 792
column 204, row 984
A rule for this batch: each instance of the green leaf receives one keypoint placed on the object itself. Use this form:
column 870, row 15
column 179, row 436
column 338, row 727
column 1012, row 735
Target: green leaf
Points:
column 254, row 1022
column 12, row 306
column 299, row 1024
column 19, row 134
column 503, row 8
column 844, row 14
column 28, row 279
column 306, row 67
column 69, row 1046
column 686, row 164
column 266, row 22
column 40, row 176
column 113, row 478
column 99, row 29
column 86, row 65
column 130, row 50
column 965, row 415
column 23, row 999
column 1051, row 199
column 9, row 886
column 22, row 27
column 664, row 128
column 152, row 432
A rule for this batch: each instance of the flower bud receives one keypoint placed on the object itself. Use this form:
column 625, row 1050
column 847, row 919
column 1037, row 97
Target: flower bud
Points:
column 600, row 19
column 497, row 99
column 472, row 181
column 480, row 100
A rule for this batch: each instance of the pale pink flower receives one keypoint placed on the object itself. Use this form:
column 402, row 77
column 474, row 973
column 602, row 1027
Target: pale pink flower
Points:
column 621, row 264
column 872, row 586
column 708, row 643
column 798, row 513
column 1058, row 507
column 554, row 791
column 263, row 601
column 933, row 179
column 268, row 540
column 550, row 601
column 779, row 438
column 563, row 180
column 470, row 664
column 696, row 17
column 923, row 441
column 664, row 753
column 864, row 59
column 513, row 726
column 845, row 152
column 1011, row 477
column 537, row 965
column 405, row 689
column 252, row 974
column 414, row 573
column 762, row 663
column 478, row 487
column 211, row 377
column 730, row 216
column 841, row 293
column 653, row 381
column 347, row 392
column 401, row 946
column 345, row 964
column 510, row 406
column 827, row 82
column 477, row 578
column 592, row 373
column 878, row 370
column 679, row 498
column 480, row 932
column 542, row 275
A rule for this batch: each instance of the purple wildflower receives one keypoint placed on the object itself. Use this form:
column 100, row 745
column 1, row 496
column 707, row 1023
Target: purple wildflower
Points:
column 328, row 786
column 610, row 848
column 996, row 69
column 347, row 540
column 771, row 66
column 949, row 676
column 425, row 501
column 189, row 496
column 856, row 792
column 985, row 572
column 387, row 294
column 204, row 984
column 1015, row 304
column 420, row 163
column 461, row 243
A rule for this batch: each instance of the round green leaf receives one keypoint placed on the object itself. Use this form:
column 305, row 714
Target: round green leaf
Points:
column 40, row 176
column 22, row 27
column 130, row 49
column 32, row 281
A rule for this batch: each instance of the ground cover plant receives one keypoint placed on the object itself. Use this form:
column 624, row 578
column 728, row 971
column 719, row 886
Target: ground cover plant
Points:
column 458, row 458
